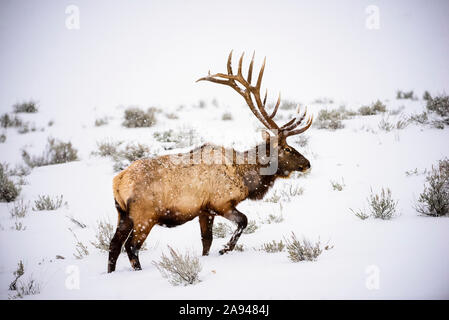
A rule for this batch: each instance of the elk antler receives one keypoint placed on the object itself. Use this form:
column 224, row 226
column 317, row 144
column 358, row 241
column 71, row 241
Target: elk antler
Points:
column 249, row 91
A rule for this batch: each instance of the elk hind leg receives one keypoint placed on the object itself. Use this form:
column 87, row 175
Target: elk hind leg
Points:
column 242, row 221
column 124, row 227
column 135, row 241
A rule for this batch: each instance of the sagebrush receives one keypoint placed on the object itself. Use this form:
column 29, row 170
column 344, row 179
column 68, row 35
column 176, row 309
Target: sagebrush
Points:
column 9, row 190
column 7, row 121
column 19, row 209
column 274, row 197
column 101, row 121
column 17, row 274
column 251, row 227
column 181, row 138
column 27, row 286
column 434, row 200
column 104, row 233
column 303, row 250
column 131, row 153
column 46, row 202
column 439, row 105
column 178, row 268
column 18, row 226
column 290, row 190
column 25, row 107
column 226, row 116
column 302, row 140
column 107, row 148
column 360, row 214
column 273, row 246
column 337, row 185
column 419, row 118
column 55, row 152
column 81, row 249
column 330, row 120
column 272, row 218
column 382, row 205
column 405, row 95
column 221, row 230
column 137, row 118
column 375, row 108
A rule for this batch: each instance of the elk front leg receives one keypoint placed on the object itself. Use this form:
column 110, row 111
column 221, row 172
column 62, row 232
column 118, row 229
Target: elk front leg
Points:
column 206, row 223
column 242, row 221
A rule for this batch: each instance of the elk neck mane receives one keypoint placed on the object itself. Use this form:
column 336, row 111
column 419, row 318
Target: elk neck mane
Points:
column 258, row 184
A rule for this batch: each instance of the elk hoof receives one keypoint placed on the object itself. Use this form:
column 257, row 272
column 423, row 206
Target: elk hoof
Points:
column 136, row 265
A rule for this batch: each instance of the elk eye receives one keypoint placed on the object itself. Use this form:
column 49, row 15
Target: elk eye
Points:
column 288, row 149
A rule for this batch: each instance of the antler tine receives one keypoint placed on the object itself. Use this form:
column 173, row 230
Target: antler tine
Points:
column 265, row 98
column 298, row 131
column 295, row 124
column 248, row 92
column 229, row 63
column 250, row 69
column 211, row 79
column 276, row 107
column 259, row 79
column 296, row 121
column 239, row 72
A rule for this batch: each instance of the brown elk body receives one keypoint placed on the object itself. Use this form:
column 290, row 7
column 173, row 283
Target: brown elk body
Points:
column 205, row 182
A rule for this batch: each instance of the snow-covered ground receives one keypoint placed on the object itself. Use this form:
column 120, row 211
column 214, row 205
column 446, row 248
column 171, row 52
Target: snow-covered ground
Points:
column 407, row 255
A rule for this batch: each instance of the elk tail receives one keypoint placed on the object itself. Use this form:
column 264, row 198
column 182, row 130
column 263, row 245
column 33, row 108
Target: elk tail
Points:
column 120, row 204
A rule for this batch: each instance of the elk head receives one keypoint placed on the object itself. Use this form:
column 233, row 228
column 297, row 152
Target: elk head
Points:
column 288, row 158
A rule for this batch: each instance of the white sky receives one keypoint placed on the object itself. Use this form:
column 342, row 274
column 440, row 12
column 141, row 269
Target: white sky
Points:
column 151, row 52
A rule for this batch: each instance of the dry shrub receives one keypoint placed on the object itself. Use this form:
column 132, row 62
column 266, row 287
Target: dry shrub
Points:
column 273, row 246
column 104, row 233
column 375, row 108
column 439, row 105
column 434, row 200
column 9, row 190
column 382, row 205
column 131, row 153
column 45, row 202
column 7, row 121
column 25, row 107
column 55, row 152
column 251, row 227
column 107, row 148
column 137, row 118
column 221, row 230
column 19, row 209
column 303, row 250
column 178, row 268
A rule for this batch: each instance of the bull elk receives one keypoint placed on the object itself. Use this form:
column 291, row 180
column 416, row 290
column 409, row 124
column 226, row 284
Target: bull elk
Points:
column 166, row 192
